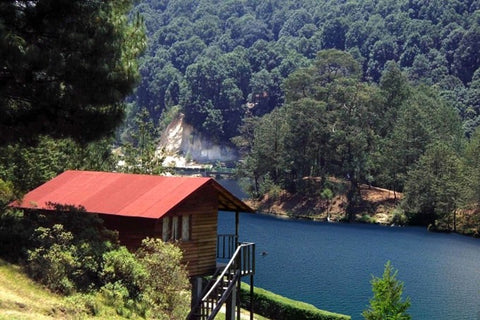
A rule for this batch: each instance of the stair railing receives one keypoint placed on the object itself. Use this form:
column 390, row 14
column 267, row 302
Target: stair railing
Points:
column 242, row 263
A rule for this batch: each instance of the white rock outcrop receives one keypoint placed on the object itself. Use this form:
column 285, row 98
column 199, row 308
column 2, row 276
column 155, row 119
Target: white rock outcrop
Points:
column 181, row 143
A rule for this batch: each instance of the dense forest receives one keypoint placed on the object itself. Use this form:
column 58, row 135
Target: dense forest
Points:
column 381, row 92
column 224, row 60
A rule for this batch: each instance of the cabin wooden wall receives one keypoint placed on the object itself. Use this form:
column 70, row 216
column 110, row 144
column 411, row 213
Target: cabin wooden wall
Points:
column 199, row 253
column 131, row 230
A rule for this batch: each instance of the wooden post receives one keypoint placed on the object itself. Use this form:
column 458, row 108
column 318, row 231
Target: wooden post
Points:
column 252, row 284
column 237, row 222
column 251, row 297
column 238, row 298
column 197, row 288
column 231, row 306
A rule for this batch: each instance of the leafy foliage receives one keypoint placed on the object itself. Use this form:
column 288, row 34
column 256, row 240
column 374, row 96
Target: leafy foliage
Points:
column 66, row 67
column 138, row 153
column 166, row 289
column 197, row 47
column 434, row 187
column 335, row 124
column 26, row 167
column 387, row 298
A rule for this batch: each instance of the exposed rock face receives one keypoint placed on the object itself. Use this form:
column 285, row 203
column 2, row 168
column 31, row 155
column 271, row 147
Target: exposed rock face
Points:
column 181, row 139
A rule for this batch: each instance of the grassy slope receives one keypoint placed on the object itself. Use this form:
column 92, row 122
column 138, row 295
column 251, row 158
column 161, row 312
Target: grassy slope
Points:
column 21, row 298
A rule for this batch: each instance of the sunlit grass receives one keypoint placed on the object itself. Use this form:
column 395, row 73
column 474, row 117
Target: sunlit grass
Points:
column 245, row 315
column 21, row 298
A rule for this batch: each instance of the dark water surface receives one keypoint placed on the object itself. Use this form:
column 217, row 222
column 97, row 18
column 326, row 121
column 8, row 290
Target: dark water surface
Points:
column 331, row 265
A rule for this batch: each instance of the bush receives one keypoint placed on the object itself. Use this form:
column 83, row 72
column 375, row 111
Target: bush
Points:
column 367, row 219
column 166, row 289
column 117, row 296
column 90, row 304
column 399, row 217
column 121, row 266
column 6, row 193
column 274, row 306
column 66, row 250
column 54, row 262
column 15, row 235
column 268, row 186
column 151, row 283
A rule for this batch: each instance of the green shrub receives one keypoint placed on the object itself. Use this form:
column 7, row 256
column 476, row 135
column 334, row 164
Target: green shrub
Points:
column 90, row 304
column 367, row 219
column 117, row 296
column 166, row 289
column 122, row 266
column 151, row 283
column 6, row 193
column 268, row 186
column 15, row 235
column 399, row 217
column 327, row 194
column 274, row 306
column 66, row 250
column 54, row 261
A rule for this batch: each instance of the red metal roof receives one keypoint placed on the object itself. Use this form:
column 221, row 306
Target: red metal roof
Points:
column 131, row 195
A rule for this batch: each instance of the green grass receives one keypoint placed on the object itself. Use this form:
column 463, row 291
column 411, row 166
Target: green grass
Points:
column 244, row 314
column 23, row 299
column 278, row 307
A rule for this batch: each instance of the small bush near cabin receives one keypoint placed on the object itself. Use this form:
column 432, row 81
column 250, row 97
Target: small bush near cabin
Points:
column 166, row 289
column 55, row 261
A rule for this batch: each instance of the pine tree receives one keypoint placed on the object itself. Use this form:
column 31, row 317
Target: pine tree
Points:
column 387, row 303
column 65, row 67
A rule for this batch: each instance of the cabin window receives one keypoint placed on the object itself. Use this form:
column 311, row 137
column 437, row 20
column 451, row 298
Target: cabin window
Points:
column 185, row 228
column 166, row 229
column 176, row 228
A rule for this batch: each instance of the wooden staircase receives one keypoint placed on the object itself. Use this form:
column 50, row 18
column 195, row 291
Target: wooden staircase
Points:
column 224, row 282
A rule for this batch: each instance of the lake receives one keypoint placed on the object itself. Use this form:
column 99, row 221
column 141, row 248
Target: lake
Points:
column 331, row 265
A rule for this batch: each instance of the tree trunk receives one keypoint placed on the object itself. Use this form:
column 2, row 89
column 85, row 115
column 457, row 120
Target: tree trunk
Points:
column 353, row 195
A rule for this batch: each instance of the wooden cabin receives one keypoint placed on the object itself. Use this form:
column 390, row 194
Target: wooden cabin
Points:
column 181, row 209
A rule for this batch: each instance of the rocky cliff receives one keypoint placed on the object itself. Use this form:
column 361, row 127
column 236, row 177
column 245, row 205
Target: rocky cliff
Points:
column 181, row 143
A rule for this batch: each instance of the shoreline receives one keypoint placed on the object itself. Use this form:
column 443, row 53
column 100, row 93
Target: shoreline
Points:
column 359, row 219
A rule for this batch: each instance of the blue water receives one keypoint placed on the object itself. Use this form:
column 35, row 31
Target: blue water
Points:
column 331, row 265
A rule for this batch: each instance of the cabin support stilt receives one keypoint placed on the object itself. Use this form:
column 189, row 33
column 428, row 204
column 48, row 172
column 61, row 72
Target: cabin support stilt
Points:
column 237, row 223
column 231, row 306
column 251, row 296
column 197, row 289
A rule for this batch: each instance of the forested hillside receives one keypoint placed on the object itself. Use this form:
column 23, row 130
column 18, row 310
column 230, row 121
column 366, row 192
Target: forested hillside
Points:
column 222, row 60
column 383, row 92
